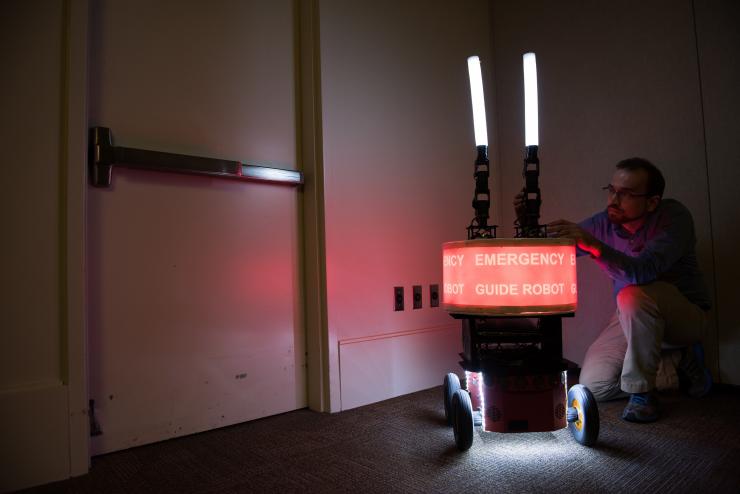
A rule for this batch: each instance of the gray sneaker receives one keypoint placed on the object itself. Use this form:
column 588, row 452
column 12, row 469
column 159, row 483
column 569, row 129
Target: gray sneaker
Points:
column 694, row 378
column 642, row 408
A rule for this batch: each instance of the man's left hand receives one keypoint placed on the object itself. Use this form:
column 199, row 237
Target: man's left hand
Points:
column 584, row 240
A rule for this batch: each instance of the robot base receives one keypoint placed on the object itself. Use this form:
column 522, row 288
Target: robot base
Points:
column 516, row 381
column 518, row 403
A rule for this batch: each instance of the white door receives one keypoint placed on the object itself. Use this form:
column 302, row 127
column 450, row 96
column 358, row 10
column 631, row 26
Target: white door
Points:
column 193, row 281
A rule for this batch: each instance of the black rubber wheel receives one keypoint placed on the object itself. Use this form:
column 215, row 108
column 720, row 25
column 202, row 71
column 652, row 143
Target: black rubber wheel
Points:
column 584, row 423
column 462, row 422
column 449, row 387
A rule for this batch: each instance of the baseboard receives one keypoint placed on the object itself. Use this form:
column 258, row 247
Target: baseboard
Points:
column 386, row 365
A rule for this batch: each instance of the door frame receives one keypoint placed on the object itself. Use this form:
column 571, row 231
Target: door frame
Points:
column 312, row 308
column 73, row 192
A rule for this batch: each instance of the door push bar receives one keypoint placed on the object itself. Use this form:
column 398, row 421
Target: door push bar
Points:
column 102, row 155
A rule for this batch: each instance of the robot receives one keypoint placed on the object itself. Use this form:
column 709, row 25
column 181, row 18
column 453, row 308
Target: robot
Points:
column 515, row 375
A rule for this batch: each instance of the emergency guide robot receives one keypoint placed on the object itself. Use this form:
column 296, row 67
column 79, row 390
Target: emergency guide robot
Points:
column 511, row 295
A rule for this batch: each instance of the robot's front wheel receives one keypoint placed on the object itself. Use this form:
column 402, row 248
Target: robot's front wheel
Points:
column 462, row 419
column 583, row 415
column 450, row 386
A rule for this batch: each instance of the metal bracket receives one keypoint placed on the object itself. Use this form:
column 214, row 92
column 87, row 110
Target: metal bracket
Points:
column 94, row 426
column 102, row 156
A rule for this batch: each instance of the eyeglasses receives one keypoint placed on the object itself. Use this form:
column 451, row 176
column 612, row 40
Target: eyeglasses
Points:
column 621, row 194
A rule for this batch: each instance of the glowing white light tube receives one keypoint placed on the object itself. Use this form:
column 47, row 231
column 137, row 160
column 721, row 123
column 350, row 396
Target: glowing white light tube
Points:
column 479, row 106
column 531, row 119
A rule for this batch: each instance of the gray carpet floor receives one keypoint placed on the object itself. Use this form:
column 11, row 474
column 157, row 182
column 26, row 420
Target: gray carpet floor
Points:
column 402, row 445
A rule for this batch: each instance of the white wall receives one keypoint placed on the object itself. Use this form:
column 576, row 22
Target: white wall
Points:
column 719, row 39
column 616, row 80
column 42, row 387
column 32, row 162
column 398, row 165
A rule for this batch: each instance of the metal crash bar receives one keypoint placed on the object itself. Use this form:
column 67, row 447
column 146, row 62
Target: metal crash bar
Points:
column 102, row 156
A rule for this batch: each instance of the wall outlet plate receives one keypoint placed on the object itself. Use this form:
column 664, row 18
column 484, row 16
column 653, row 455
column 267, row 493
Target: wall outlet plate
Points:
column 417, row 296
column 397, row 298
column 434, row 295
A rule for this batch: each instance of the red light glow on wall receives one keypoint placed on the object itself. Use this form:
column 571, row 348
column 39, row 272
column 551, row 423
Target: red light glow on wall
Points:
column 515, row 276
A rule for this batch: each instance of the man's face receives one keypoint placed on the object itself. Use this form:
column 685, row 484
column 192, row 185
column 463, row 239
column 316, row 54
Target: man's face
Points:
column 627, row 201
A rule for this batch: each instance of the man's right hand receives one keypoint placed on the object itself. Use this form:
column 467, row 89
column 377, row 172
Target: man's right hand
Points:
column 584, row 240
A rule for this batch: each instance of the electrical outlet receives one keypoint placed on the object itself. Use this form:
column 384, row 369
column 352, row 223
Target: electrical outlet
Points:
column 397, row 298
column 417, row 296
column 434, row 295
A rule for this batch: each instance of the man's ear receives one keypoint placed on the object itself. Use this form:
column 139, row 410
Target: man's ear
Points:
column 652, row 203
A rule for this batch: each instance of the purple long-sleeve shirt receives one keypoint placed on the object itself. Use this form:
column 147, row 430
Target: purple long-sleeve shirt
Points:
column 663, row 249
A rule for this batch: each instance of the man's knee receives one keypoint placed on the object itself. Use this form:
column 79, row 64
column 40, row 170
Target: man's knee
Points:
column 602, row 387
column 634, row 298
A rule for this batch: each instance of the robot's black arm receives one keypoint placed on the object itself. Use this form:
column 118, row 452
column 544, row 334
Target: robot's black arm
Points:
column 479, row 227
column 528, row 224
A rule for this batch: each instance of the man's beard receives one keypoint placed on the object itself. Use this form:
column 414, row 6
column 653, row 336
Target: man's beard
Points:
column 617, row 216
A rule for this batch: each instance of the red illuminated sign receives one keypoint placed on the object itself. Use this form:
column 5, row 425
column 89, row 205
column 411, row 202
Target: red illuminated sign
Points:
column 516, row 276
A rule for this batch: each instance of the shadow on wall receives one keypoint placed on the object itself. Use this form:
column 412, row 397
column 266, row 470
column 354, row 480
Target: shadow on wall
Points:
column 595, row 307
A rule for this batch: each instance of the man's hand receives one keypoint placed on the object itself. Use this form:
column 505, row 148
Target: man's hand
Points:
column 584, row 240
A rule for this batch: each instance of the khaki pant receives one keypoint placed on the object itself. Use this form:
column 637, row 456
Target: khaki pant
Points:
column 628, row 356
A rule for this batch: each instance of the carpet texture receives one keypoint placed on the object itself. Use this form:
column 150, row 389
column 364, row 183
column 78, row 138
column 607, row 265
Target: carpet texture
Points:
column 403, row 445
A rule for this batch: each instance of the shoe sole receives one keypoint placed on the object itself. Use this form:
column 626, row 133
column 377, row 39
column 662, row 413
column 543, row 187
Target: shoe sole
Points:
column 639, row 420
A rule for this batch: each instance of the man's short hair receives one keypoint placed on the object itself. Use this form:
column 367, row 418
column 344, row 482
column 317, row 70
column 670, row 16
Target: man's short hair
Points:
column 655, row 183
